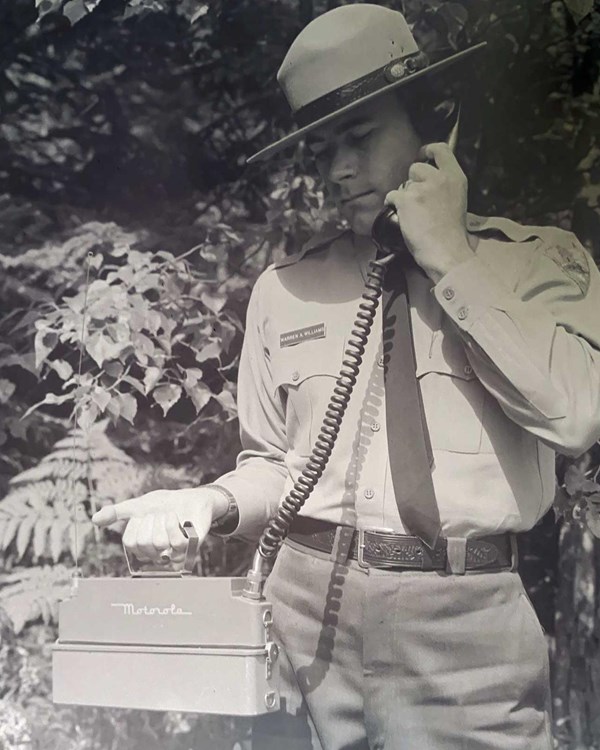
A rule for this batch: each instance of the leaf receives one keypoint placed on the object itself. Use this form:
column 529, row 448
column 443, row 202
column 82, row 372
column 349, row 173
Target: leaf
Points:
column 24, row 534
column 166, row 396
column 127, row 406
column 226, row 332
column 211, row 351
column 151, row 378
column 227, row 401
column 87, row 415
column 40, row 535
column 56, row 536
column 102, row 348
column 7, row 388
column 45, row 609
column 214, row 301
column 62, row 368
column 199, row 393
column 47, row 6
column 9, row 532
column 137, row 384
column 23, row 590
column 114, row 369
column 579, row 9
column 45, row 341
column 101, row 398
column 192, row 376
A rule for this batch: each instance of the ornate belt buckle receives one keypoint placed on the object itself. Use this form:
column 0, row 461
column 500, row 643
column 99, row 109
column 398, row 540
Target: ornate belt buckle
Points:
column 361, row 545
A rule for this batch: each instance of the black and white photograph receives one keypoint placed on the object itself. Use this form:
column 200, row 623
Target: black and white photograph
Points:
column 299, row 375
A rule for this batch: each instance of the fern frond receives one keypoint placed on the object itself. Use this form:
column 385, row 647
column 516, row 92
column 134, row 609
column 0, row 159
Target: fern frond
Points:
column 29, row 593
column 50, row 470
column 84, row 467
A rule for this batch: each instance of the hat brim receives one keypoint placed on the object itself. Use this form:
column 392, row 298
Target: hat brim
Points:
column 297, row 135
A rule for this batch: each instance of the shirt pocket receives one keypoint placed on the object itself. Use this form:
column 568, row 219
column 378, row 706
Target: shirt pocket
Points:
column 306, row 375
column 453, row 397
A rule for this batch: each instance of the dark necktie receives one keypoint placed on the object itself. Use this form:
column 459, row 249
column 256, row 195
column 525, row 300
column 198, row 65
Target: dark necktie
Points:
column 409, row 447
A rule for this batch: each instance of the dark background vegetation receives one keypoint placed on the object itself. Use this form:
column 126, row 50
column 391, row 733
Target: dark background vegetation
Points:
column 124, row 132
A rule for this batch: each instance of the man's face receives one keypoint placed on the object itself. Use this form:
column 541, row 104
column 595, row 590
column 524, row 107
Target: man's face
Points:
column 363, row 155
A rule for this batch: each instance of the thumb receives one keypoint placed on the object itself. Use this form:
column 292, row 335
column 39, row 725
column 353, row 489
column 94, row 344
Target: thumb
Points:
column 200, row 522
column 118, row 512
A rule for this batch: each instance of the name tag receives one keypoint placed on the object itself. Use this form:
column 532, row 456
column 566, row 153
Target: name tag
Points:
column 290, row 338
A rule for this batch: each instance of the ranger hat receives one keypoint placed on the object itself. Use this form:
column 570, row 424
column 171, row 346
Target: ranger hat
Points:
column 346, row 57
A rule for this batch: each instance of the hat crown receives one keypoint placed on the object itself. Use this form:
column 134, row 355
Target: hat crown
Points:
column 342, row 46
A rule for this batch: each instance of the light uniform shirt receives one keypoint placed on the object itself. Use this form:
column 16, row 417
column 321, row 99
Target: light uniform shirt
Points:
column 507, row 359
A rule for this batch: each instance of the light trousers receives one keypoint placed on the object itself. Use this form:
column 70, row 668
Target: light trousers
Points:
column 404, row 660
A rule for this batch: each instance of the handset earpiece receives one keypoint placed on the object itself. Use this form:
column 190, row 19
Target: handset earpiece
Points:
column 386, row 231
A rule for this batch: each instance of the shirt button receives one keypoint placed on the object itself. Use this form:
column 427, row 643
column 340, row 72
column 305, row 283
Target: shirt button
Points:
column 375, row 426
column 295, row 375
column 369, row 493
column 462, row 313
column 468, row 370
column 448, row 293
column 380, row 360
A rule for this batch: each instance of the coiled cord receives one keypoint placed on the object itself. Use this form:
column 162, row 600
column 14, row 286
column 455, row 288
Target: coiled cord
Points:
column 278, row 527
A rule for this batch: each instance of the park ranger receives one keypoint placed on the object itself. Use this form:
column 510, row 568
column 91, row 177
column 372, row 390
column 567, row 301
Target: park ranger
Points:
column 404, row 621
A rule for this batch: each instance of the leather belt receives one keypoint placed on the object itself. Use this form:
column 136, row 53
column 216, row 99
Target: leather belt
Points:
column 383, row 549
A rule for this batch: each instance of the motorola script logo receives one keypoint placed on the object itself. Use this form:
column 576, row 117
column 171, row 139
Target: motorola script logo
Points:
column 129, row 608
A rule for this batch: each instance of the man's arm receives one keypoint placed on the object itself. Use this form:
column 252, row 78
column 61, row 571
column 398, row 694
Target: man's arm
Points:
column 257, row 481
column 535, row 348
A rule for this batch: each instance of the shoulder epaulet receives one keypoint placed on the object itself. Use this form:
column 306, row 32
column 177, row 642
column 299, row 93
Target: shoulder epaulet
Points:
column 319, row 242
column 512, row 230
column 560, row 245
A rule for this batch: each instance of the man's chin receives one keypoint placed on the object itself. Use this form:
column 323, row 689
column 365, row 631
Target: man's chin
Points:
column 362, row 223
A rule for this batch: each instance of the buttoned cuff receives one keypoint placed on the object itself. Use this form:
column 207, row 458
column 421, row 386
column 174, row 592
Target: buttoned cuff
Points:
column 468, row 291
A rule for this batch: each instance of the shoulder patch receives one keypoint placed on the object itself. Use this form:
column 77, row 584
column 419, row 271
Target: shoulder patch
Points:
column 573, row 261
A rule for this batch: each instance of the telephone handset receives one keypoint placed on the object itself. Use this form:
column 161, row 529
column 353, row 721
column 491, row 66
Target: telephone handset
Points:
column 386, row 230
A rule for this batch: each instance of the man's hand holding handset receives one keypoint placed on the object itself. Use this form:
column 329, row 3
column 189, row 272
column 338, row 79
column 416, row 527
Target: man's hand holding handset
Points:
column 432, row 208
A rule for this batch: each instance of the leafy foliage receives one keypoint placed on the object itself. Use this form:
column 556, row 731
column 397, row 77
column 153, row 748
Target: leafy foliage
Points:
column 150, row 326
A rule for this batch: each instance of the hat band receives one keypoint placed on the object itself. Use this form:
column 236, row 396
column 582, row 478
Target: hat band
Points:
column 351, row 92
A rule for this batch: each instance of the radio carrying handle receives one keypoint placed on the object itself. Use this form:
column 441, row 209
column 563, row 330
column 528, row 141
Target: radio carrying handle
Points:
column 137, row 571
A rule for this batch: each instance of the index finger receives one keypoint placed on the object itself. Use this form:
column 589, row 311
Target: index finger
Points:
column 119, row 512
column 441, row 154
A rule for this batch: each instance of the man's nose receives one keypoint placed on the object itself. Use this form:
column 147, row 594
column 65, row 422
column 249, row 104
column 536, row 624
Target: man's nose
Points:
column 343, row 164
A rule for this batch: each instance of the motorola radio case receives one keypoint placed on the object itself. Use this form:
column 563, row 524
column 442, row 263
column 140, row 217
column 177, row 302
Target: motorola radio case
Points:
column 166, row 642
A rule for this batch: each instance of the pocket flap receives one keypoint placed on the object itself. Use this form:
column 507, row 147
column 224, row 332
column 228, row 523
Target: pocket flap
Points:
column 292, row 365
column 446, row 356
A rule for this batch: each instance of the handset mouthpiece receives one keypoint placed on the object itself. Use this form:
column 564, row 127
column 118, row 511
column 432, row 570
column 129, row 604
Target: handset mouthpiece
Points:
column 386, row 230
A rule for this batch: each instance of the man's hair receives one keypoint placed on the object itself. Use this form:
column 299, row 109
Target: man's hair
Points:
column 430, row 110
